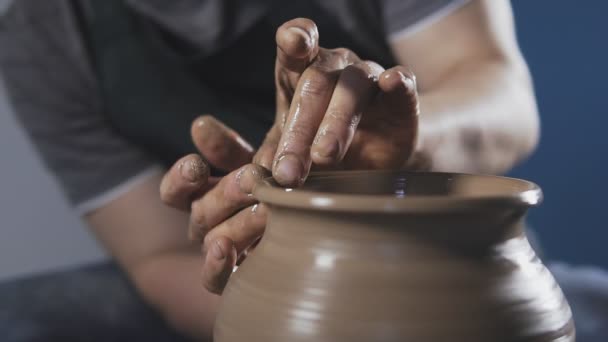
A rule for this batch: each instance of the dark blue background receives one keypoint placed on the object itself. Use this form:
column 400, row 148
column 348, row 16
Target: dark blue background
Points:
column 566, row 46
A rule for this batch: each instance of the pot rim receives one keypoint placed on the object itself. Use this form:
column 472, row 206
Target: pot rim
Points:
column 269, row 192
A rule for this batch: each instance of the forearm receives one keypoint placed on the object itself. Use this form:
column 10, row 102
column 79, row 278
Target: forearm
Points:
column 149, row 240
column 480, row 117
column 172, row 284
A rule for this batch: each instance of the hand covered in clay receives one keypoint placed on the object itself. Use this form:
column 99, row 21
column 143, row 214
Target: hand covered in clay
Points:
column 224, row 217
column 335, row 110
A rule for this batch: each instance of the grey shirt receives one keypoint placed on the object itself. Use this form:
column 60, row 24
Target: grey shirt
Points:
column 56, row 94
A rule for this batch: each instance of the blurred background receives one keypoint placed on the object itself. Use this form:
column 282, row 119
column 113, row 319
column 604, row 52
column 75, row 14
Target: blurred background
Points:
column 566, row 47
column 567, row 50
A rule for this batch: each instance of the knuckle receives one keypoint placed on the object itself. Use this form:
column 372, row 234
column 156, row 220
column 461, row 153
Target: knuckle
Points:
column 197, row 218
column 327, row 61
column 341, row 50
column 317, row 85
column 359, row 72
column 365, row 71
column 339, row 120
column 207, row 240
column 344, row 55
column 339, row 116
column 373, row 67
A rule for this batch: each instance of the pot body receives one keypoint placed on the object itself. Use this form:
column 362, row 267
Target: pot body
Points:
column 346, row 276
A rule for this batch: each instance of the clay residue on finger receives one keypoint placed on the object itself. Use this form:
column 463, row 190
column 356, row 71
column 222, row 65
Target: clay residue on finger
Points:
column 193, row 169
column 247, row 176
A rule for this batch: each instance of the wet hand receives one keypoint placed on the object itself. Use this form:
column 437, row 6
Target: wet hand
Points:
column 332, row 109
column 335, row 110
column 224, row 217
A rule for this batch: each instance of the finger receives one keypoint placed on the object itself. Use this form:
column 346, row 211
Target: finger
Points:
column 355, row 90
column 297, row 46
column 243, row 229
column 400, row 105
column 220, row 260
column 185, row 179
column 267, row 150
column 221, row 146
column 400, row 94
column 231, row 194
column 292, row 160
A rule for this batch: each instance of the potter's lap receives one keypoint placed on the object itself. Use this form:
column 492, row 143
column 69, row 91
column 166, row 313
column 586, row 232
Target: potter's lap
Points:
column 93, row 303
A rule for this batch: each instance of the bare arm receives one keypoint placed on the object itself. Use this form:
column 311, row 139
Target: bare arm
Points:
column 149, row 240
column 478, row 112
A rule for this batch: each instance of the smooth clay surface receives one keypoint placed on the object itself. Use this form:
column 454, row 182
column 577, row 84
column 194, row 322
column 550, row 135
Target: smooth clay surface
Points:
column 395, row 256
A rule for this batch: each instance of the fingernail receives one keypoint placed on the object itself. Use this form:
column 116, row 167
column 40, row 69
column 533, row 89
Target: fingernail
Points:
column 246, row 179
column 288, row 170
column 327, row 147
column 217, row 251
column 259, row 210
column 303, row 41
column 192, row 169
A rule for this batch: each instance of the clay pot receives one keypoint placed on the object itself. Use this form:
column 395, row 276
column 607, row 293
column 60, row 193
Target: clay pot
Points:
column 395, row 256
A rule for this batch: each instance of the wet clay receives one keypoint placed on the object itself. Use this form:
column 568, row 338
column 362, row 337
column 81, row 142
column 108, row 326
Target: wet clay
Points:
column 395, row 256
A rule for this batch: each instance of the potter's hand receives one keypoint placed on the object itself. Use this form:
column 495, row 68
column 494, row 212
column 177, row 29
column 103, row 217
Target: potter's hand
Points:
column 189, row 177
column 223, row 216
column 335, row 110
